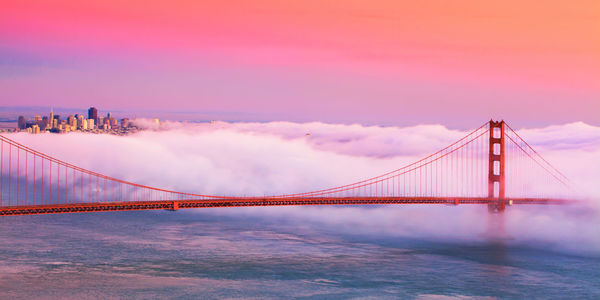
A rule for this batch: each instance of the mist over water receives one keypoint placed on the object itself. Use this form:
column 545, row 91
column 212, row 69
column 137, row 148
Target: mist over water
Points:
column 283, row 157
column 233, row 253
column 308, row 251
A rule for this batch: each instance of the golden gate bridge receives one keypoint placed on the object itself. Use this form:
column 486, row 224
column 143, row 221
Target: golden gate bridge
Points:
column 492, row 165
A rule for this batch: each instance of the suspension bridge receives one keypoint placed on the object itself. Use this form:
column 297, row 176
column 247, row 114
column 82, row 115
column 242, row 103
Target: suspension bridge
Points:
column 492, row 165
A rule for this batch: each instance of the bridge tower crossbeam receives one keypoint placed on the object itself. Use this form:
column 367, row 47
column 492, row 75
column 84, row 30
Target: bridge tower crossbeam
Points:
column 496, row 173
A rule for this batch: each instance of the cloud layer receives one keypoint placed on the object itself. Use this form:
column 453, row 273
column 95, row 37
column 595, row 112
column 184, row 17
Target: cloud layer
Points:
column 282, row 157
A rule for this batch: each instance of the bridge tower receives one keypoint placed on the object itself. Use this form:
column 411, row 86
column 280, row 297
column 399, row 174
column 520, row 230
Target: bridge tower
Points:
column 496, row 179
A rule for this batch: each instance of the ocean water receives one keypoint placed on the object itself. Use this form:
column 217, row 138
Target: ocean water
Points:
column 196, row 254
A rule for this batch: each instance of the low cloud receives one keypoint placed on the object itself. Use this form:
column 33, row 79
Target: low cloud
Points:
column 282, row 157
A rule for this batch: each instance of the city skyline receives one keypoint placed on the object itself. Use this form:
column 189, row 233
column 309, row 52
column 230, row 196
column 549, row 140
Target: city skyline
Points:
column 93, row 122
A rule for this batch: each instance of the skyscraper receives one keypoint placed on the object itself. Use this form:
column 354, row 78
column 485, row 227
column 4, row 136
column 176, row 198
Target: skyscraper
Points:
column 45, row 123
column 93, row 113
column 72, row 122
column 22, row 123
column 51, row 117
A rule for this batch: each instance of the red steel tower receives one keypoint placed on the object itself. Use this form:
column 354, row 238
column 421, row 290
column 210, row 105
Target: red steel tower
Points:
column 496, row 182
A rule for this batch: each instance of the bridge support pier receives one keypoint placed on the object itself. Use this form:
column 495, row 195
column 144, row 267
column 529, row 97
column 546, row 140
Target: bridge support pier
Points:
column 496, row 182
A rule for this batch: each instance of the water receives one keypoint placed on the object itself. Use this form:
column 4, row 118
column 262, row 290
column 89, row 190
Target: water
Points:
column 199, row 254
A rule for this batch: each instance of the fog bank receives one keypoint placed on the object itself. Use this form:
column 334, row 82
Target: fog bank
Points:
column 283, row 157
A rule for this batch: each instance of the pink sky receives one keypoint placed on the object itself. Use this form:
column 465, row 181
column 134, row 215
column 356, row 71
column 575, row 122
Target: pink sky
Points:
column 381, row 62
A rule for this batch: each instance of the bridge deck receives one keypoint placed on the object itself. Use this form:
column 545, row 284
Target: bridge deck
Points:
column 261, row 201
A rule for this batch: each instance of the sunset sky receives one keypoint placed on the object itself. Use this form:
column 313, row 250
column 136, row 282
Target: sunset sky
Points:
column 375, row 62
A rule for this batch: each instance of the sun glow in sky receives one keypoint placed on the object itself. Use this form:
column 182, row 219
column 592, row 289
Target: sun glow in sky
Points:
column 382, row 62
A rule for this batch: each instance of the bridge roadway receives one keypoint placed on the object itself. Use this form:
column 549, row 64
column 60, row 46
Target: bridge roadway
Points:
column 260, row 201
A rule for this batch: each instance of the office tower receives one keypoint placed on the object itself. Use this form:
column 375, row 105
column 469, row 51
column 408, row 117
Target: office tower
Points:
column 21, row 123
column 38, row 121
column 80, row 121
column 93, row 114
column 56, row 122
column 72, row 122
column 50, row 122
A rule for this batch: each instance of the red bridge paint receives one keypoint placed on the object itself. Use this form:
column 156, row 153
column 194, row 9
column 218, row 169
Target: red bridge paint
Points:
column 484, row 167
